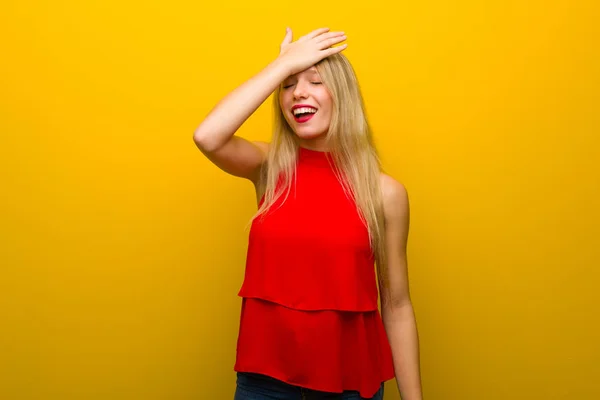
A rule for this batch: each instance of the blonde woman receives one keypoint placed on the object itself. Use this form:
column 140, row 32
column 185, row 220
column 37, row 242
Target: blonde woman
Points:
column 310, row 326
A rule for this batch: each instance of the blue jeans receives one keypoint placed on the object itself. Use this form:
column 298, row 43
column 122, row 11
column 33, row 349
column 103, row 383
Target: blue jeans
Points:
column 252, row 386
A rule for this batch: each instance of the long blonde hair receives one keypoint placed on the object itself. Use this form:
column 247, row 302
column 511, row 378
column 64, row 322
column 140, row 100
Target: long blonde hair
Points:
column 351, row 147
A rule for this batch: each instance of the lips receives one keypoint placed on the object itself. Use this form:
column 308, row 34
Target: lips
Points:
column 303, row 106
column 301, row 118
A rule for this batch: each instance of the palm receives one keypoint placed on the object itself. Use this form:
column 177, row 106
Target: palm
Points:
column 309, row 49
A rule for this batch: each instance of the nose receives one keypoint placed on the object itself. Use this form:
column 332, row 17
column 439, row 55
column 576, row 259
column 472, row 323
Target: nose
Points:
column 300, row 90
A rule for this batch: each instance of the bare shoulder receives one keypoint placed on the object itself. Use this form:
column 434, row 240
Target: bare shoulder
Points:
column 395, row 197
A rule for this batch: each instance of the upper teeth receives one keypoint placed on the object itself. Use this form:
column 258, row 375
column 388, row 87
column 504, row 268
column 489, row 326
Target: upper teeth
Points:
column 304, row 110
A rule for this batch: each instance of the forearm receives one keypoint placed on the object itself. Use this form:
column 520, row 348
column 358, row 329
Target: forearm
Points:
column 401, row 329
column 235, row 108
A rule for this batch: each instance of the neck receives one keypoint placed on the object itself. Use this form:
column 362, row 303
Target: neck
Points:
column 317, row 144
column 314, row 150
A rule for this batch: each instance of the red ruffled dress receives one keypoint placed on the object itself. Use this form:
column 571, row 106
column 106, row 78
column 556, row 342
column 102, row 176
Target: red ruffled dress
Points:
column 309, row 311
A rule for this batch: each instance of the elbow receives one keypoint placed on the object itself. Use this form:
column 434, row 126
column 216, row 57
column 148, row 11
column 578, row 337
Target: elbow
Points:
column 396, row 303
column 204, row 141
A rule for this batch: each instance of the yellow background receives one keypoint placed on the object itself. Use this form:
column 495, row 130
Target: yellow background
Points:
column 122, row 248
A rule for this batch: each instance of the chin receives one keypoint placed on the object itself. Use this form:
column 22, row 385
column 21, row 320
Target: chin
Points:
column 306, row 132
column 309, row 135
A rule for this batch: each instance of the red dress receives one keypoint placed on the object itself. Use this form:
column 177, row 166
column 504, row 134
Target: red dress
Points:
column 309, row 309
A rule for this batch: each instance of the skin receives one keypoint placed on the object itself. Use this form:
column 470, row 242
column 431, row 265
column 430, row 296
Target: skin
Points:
column 306, row 87
column 216, row 138
column 398, row 315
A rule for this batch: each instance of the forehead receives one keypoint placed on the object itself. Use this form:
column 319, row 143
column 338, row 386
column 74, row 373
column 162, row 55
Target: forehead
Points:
column 310, row 71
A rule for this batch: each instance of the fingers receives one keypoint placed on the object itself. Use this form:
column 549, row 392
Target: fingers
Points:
column 314, row 33
column 334, row 50
column 324, row 39
column 288, row 37
column 329, row 35
column 330, row 42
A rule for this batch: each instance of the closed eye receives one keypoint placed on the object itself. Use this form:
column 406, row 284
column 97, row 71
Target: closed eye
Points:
column 314, row 83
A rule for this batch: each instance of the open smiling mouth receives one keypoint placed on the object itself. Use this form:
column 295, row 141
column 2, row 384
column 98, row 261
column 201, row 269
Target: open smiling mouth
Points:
column 304, row 114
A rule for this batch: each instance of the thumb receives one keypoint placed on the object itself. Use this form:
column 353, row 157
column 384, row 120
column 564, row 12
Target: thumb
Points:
column 288, row 37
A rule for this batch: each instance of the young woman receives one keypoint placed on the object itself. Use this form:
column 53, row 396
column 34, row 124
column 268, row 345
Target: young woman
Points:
column 310, row 325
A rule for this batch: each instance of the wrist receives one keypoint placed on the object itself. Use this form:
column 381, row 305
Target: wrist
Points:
column 280, row 67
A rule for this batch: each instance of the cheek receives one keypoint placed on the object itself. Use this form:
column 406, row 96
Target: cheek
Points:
column 325, row 100
column 283, row 100
column 327, row 108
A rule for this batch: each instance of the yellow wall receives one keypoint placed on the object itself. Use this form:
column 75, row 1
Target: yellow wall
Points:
column 123, row 249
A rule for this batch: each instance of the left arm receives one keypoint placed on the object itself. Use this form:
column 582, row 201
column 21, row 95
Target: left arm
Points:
column 397, row 313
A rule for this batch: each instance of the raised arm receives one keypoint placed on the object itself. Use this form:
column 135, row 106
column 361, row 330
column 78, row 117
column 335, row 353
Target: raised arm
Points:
column 215, row 135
